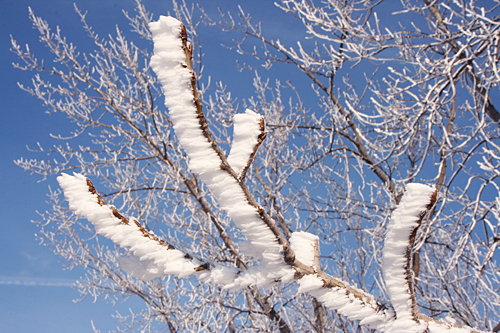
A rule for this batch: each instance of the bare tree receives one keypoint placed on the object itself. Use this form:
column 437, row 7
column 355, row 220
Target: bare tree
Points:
column 231, row 243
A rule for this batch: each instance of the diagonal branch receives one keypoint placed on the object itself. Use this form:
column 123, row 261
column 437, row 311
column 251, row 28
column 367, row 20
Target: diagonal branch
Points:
column 206, row 158
column 162, row 257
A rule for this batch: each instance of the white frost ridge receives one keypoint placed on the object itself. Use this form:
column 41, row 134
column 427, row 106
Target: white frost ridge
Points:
column 404, row 220
column 162, row 261
column 346, row 304
column 168, row 62
column 304, row 246
column 150, row 259
column 246, row 134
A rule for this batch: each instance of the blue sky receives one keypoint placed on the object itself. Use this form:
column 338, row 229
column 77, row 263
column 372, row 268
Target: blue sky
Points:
column 36, row 293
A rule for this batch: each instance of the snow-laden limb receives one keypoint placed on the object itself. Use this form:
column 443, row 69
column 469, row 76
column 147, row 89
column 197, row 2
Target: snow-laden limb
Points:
column 212, row 168
column 344, row 301
column 248, row 134
column 398, row 242
column 306, row 248
column 206, row 159
column 85, row 202
column 151, row 256
column 358, row 305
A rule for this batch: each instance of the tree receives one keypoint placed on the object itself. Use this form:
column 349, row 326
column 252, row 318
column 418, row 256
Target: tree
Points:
column 341, row 170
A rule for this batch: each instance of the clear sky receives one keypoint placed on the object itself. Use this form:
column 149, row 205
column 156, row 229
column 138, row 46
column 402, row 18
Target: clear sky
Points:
column 35, row 291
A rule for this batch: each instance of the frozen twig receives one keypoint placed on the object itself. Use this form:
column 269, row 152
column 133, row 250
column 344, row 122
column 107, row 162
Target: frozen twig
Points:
column 480, row 90
column 108, row 222
column 249, row 133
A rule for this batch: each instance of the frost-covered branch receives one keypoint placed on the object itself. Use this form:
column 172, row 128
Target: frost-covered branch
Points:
column 159, row 257
column 310, row 68
column 399, row 241
column 249, row 132
column 206, row 159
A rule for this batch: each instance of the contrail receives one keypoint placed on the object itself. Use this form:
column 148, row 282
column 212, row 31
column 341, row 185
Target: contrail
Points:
column 36, row 281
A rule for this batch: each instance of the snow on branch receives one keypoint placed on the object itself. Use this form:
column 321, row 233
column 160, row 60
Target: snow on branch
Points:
column 401, row 232
column 348, row 301
column 171, row 63
column 335, row 294
column 155, row 257
column 306, row 248
column 108, row 222
column 248, row 134
column 152, row 256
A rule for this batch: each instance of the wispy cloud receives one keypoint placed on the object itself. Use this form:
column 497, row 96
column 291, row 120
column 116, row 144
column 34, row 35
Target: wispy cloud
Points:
column 35, row 281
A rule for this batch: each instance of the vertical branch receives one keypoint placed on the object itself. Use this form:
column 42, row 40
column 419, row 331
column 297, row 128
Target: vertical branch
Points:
column 260, row 139
column 248, row 134
column 411, row 243
column 401, row 233
column 320, row 314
